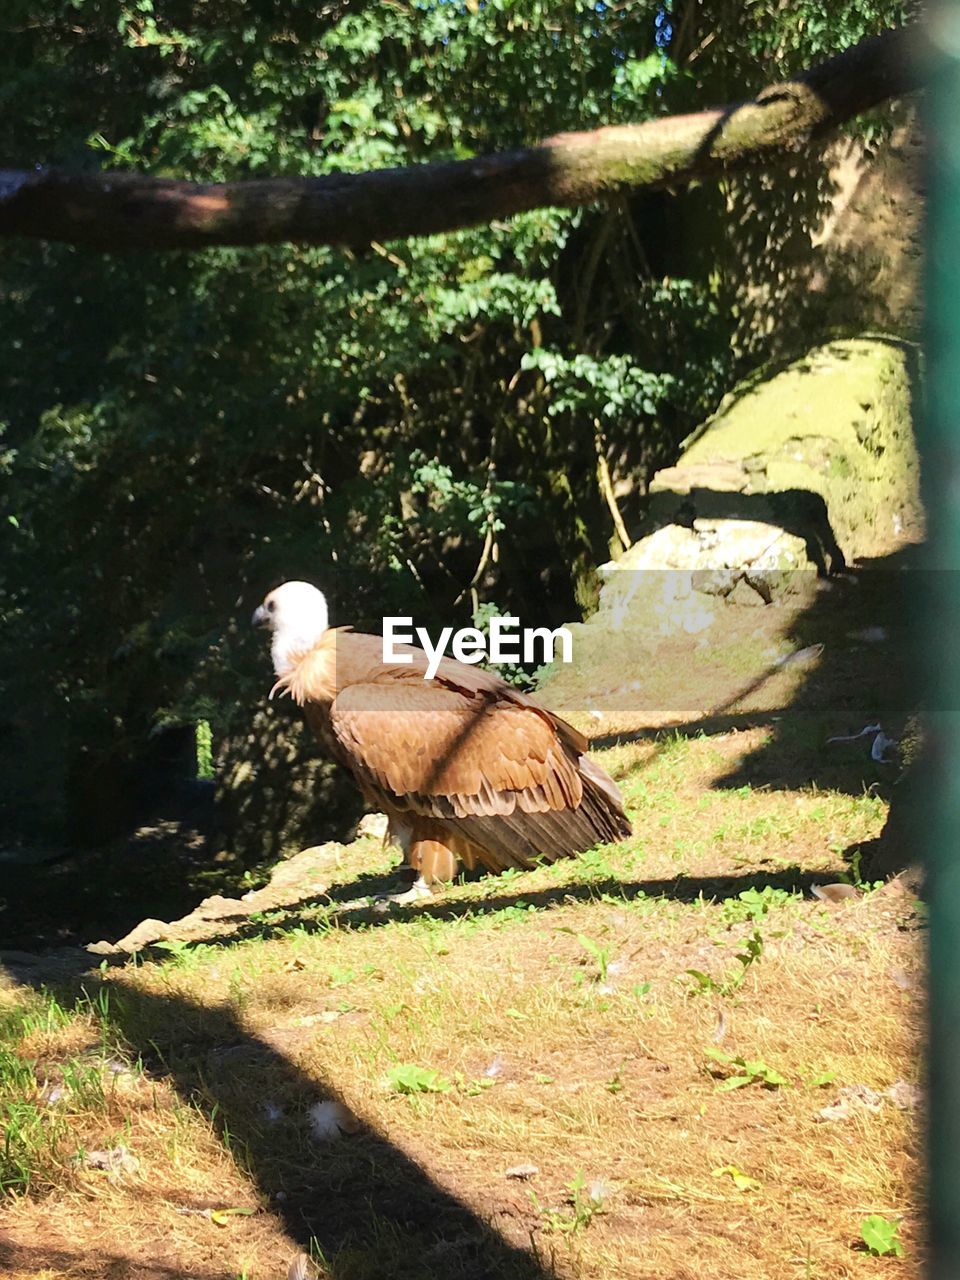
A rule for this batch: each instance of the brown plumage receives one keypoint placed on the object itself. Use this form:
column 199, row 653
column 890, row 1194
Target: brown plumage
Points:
column 467, row 768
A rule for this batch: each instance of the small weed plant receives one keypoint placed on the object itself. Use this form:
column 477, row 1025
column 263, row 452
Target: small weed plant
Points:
column 745, row 1071
column 880, row 1236
column 726, row 986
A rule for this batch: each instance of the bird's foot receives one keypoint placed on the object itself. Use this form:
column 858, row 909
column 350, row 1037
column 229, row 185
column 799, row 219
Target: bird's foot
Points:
column 417, row 891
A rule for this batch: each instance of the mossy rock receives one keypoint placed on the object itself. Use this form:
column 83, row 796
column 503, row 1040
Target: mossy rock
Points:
column 805, row 470
column 799, row 474
column 824, row 449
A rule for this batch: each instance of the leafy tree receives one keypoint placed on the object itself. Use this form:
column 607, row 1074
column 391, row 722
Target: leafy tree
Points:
column 398, row 422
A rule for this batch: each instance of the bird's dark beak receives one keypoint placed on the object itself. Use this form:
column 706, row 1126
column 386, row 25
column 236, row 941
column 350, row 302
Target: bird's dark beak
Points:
column 260, row 616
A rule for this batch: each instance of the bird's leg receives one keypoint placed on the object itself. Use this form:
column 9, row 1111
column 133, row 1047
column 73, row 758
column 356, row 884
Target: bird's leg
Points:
column 411, row 875
column 417, row 891
column 430, row 861
column 434, row 860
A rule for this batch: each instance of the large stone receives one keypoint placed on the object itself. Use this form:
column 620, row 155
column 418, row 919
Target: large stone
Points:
column 807, row 470
column 797, row 475
column 823, row 450
column 277, row 789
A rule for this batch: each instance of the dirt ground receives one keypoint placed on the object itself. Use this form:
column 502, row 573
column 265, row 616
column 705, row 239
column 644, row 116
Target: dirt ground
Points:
column 667, row 1058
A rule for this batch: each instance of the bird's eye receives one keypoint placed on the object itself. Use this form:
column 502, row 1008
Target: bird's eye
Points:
column 270, row 606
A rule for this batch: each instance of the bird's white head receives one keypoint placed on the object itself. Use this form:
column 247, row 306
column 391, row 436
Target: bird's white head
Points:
column 296, row 613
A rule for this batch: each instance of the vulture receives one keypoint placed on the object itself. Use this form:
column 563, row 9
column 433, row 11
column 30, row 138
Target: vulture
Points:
column 468, row 769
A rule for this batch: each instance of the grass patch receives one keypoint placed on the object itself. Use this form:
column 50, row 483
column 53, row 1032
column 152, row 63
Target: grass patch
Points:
column 617, row 1064
column 58, row 1082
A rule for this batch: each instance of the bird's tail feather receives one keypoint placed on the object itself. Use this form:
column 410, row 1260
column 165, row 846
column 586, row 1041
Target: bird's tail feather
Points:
column 522, row 839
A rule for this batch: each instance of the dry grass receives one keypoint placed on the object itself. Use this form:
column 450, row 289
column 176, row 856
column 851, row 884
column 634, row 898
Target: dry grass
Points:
column 559, row 1012
column 564, row 1029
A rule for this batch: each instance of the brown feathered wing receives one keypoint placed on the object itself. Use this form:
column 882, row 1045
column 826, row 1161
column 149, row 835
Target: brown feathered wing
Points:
column 485, row 769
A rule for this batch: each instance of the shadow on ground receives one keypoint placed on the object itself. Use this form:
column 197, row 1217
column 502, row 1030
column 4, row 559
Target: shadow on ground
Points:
column 364, row 1203
column 362, row 1206
column 853, row 647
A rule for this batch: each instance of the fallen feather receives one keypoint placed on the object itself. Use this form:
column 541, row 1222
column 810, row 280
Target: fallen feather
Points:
column 116, row 1160
column 835, row 893
column 881, row 745
column 878, row 748
column 302, row 1267
column 854, row 737
column 836, row 1111
column 903, row 980
column 851, row 1098
column 904, row 1095
column 325, row 1015
column 330, row 1120
column 599, row 1191
column 800, row 656
column 864, row 1095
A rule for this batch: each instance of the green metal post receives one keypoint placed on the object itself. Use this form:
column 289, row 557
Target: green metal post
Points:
column 940, row 638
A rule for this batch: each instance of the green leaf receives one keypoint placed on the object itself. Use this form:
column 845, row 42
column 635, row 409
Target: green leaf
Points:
column 472, row 1088
column 711, row 1052
column 734, row 1082
column 880, row 1236
column 742, row 1181
column 705, row 982
column 760, row 1071
column 819, row 1081
column 407, row 1077
column 222, row 1216
column 747, row 1071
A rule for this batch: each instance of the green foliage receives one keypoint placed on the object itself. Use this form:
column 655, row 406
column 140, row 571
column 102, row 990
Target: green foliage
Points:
column 36, row 1139
column 820, row 1080
column 513, row 672
column 610, row 390
column 728, row 985
column 599, row 953
column 27, row 1132
column 585, row 1202
column 407, row 1077
column 204, row 738
column 880, row 1236
column 392, row 421
column 182, row 954
column 744, row 1071
column 753, row 904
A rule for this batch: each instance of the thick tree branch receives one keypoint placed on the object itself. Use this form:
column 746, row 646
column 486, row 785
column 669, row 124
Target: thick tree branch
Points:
column 125, row 211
